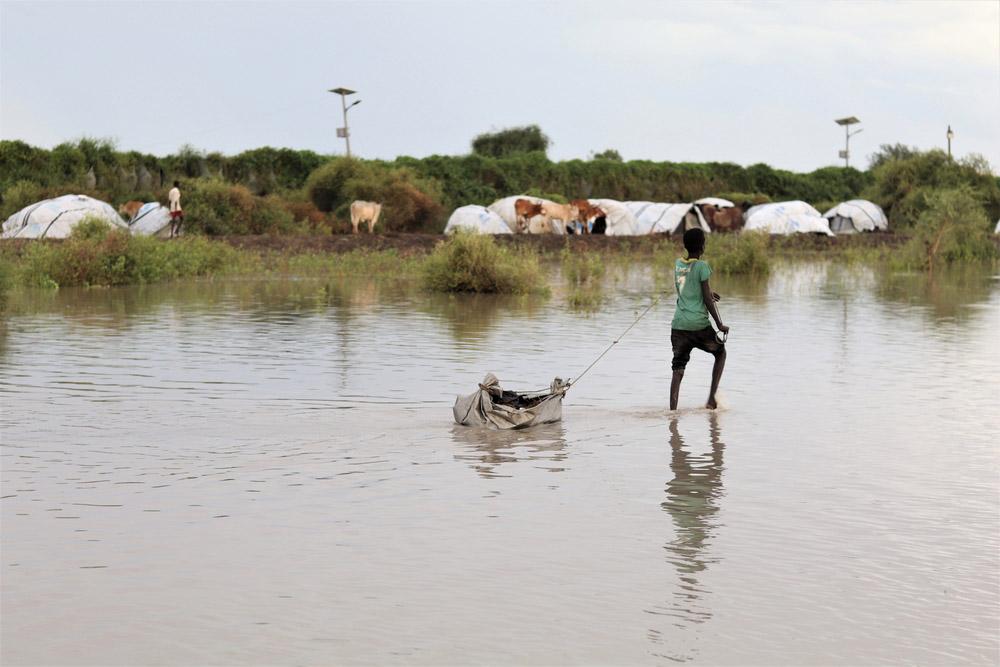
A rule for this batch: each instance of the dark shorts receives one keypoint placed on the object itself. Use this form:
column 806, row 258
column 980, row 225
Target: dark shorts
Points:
column 685, row 341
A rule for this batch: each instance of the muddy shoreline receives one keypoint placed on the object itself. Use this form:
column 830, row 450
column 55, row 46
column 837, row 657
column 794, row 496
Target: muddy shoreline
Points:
column 417, row 243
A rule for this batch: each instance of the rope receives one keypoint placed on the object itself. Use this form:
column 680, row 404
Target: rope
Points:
column 613, row 343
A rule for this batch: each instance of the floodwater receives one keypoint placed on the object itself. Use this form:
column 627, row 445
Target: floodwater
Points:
column 267, row 472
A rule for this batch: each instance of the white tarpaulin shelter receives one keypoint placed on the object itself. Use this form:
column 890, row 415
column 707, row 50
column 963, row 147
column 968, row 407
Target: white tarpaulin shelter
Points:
column 717, row 202
column 619, row 221
column 787, row 217
column 478, row 219
column 659, row 218
column 505, row 209
column 856, row 215
column 153, row 219
column 997, row 230
column 492, row 406
column 56, row 218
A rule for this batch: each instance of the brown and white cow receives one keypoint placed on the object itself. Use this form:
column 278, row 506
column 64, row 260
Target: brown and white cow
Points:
column 728, row 219
column 525, row 210
column 588, row 213
column 364, row 211
column 564, row 213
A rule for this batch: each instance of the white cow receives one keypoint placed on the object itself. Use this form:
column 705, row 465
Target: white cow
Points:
column 365, row 211
column 565, row 213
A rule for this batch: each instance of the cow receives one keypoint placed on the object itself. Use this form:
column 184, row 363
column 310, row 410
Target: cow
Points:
column 130, row 209
column 587, row 213
column 565, row 213
column 728, row 219
column 525, row 210
column 364, row 211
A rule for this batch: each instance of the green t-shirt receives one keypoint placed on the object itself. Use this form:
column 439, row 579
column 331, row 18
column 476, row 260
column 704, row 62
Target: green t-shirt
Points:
column 691, row 313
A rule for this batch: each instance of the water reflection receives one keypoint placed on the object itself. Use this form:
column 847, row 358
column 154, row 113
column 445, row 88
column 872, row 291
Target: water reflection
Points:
column 485, row 450
column 947, row 292
column 692, row 502
column 471, row 317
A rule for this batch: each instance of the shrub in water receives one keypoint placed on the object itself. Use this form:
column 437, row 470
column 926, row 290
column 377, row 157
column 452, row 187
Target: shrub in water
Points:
column 744, row 253
column 953, row 228
column 470, row 262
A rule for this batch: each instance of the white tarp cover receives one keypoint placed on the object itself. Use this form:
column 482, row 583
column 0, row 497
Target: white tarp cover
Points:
column 619, row 220
column 997, row 230
column 717, row 202
column 658, row 218
column 856, row 215
column 493, row 407
column 505, row 209
column 787, row 217
column 478, row 219
column 56, row 218
column 153, row 219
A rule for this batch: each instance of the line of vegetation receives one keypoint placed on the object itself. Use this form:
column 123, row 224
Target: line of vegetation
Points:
column 283, row 191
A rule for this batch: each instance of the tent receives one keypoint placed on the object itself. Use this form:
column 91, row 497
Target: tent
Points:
column 493, row 407
column 505, row 209
column 153, row 219
column 660, row 218
column 618, row 219
column 478, row 219
column 56, row 218
column 856, row 215
column 997, row 230
column 717, row 202
column 788, row 217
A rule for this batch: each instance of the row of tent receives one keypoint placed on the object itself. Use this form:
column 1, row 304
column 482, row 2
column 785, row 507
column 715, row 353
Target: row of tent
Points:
column 636, row 218
column 56, row 218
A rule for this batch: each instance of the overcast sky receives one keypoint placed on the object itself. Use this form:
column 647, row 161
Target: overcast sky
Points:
column 682, row 81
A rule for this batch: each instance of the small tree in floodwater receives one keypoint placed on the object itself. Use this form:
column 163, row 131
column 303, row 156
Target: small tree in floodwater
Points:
column 510, row 141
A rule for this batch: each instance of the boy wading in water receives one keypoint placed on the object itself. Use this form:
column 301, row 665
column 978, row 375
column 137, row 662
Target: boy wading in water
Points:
column 690, row 327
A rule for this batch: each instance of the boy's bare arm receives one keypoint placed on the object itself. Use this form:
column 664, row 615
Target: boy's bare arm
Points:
column 710, row 298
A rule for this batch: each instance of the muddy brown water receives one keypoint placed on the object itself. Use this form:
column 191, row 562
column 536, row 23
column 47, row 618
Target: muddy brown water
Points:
column 266, row 472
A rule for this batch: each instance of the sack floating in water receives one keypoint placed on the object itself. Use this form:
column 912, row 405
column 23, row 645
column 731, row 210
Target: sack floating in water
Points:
column 494, row 407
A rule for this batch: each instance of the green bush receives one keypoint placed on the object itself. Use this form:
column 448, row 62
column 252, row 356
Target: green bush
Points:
column 117, row 258
column 526, row 139
column 953, row 227
column 409, row 203
column 19, row 195
column 905, row 186
column 469, row 262
column 744, row 253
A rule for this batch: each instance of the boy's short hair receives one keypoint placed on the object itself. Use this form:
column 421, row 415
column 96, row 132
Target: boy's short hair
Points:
column 694, row 240
column 177, row 184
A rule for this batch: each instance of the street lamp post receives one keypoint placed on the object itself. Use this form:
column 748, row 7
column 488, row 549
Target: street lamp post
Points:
column 950, row 136
column 345, row 131
column 847, row 122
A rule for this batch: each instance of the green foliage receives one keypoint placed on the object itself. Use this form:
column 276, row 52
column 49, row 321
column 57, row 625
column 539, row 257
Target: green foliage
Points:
column 510, row 141
column 469, row 262
column 91, row 228
column 19, row 195
column 216, row 208
column 905, row 187
column 581, row 268
column 952, row 228
column 6, row 281
column 609, row 154
column 744, row 254
column 117, row 258
column 409, row 202
column 890, row 152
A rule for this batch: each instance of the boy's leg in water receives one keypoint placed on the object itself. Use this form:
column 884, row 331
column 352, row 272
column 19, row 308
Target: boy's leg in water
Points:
column 720, row 364
column 675, row 388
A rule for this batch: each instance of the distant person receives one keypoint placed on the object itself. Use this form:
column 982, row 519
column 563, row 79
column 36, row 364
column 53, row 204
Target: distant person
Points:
column 176, row 212
column 690, row 327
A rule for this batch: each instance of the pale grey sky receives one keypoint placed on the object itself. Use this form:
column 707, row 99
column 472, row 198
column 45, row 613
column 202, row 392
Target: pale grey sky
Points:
column 683, row 81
